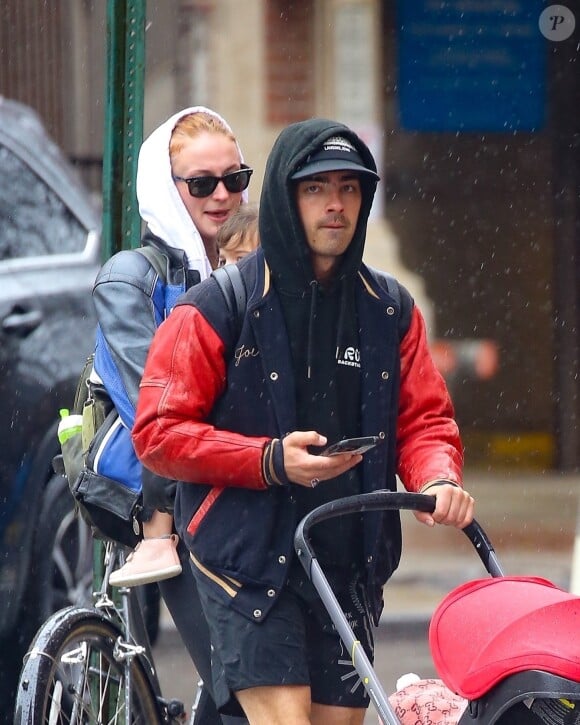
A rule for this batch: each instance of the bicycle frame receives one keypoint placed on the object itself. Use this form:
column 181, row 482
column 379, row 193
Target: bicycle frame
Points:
column 135, row 640
column 376, row 501
column 130, row 616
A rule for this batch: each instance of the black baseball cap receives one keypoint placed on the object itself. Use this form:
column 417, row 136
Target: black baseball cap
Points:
column 336, row 154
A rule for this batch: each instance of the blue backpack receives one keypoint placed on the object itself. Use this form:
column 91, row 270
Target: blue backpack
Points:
column 111, row 502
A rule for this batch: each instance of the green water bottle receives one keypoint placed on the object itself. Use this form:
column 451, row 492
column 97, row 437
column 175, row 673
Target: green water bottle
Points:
column 69, row 435
column 69, row 425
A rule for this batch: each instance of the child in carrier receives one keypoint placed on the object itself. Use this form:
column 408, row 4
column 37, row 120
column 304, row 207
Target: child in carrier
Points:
column 238, row 236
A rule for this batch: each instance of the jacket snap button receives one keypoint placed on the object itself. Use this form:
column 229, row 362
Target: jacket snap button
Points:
column 281, row 559
column 271, row 593
column 385, row 375
column 257, row 613
column 382, row 435
column 273, row 376
column 256, row 313
column 369, row 559
column 390, row 310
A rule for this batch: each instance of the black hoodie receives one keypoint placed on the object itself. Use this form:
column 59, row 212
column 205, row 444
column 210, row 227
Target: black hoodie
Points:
column 322, row 322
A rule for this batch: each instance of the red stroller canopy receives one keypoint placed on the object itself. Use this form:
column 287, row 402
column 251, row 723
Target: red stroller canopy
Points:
column 488, row 629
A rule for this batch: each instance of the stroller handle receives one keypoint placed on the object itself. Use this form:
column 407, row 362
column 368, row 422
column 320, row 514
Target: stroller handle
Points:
column 381, row 501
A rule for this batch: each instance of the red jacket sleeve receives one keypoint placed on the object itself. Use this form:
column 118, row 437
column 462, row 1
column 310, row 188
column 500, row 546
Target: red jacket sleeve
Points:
column 428, row 443
column 184, row 375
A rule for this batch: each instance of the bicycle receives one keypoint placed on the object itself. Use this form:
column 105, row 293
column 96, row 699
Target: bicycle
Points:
column 95, row 664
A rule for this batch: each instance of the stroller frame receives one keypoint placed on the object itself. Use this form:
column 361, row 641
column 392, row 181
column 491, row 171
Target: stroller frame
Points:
column 483, row 711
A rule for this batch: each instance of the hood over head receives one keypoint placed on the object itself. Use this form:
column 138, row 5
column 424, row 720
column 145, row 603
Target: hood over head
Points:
column 160, row 205
column 303, row 149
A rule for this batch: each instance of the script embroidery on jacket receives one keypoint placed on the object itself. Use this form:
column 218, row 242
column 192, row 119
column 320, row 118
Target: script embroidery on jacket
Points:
column 244, row 352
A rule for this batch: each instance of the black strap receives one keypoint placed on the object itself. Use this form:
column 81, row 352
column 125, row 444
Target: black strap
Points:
column 399, row 294
column 228, row 278
column 233, row 289
column 156, row 259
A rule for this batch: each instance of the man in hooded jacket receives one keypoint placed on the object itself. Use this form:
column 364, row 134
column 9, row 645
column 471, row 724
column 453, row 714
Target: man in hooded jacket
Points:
column 329, row 349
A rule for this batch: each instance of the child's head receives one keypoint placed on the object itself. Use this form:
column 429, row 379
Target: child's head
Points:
column 238, row 235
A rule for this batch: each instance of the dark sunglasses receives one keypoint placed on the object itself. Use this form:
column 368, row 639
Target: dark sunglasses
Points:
column 201, row 186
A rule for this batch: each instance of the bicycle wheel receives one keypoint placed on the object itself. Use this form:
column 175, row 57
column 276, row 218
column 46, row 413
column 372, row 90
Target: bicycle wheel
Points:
column 72, row 675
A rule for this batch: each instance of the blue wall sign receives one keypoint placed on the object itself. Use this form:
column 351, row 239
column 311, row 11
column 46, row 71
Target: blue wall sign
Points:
column 471, row 65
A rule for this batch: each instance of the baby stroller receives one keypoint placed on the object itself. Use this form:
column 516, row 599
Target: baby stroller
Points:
column 504, row 647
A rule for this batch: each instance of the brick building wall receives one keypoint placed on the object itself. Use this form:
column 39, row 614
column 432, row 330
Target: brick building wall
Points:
column 289, row 61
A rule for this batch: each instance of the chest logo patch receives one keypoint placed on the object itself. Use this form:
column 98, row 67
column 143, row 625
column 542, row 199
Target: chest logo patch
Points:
column 350, row 357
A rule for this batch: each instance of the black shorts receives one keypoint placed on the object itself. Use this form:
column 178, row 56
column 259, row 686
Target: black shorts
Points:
column 296, row 644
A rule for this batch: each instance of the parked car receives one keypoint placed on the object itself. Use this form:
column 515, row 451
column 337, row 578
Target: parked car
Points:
column 49, row 257
column 50, row 253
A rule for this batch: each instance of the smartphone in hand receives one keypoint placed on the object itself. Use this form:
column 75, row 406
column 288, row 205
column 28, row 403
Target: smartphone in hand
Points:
column 351, row 445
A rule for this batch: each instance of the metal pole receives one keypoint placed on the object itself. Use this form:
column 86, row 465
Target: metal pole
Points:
column 123, row 133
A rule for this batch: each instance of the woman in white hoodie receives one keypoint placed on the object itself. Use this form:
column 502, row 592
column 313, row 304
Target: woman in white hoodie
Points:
column 190, row 180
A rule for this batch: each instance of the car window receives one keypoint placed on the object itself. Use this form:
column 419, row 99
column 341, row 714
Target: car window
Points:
column 34, row 221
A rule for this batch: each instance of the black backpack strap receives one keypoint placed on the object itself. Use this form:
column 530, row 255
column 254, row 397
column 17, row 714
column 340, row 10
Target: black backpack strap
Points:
column 156, row 259
column 399, row 294
column 233, row 289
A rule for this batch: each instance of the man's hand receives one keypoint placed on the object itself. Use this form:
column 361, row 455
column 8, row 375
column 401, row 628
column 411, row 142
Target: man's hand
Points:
column 454, row 506
column 307, row 469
